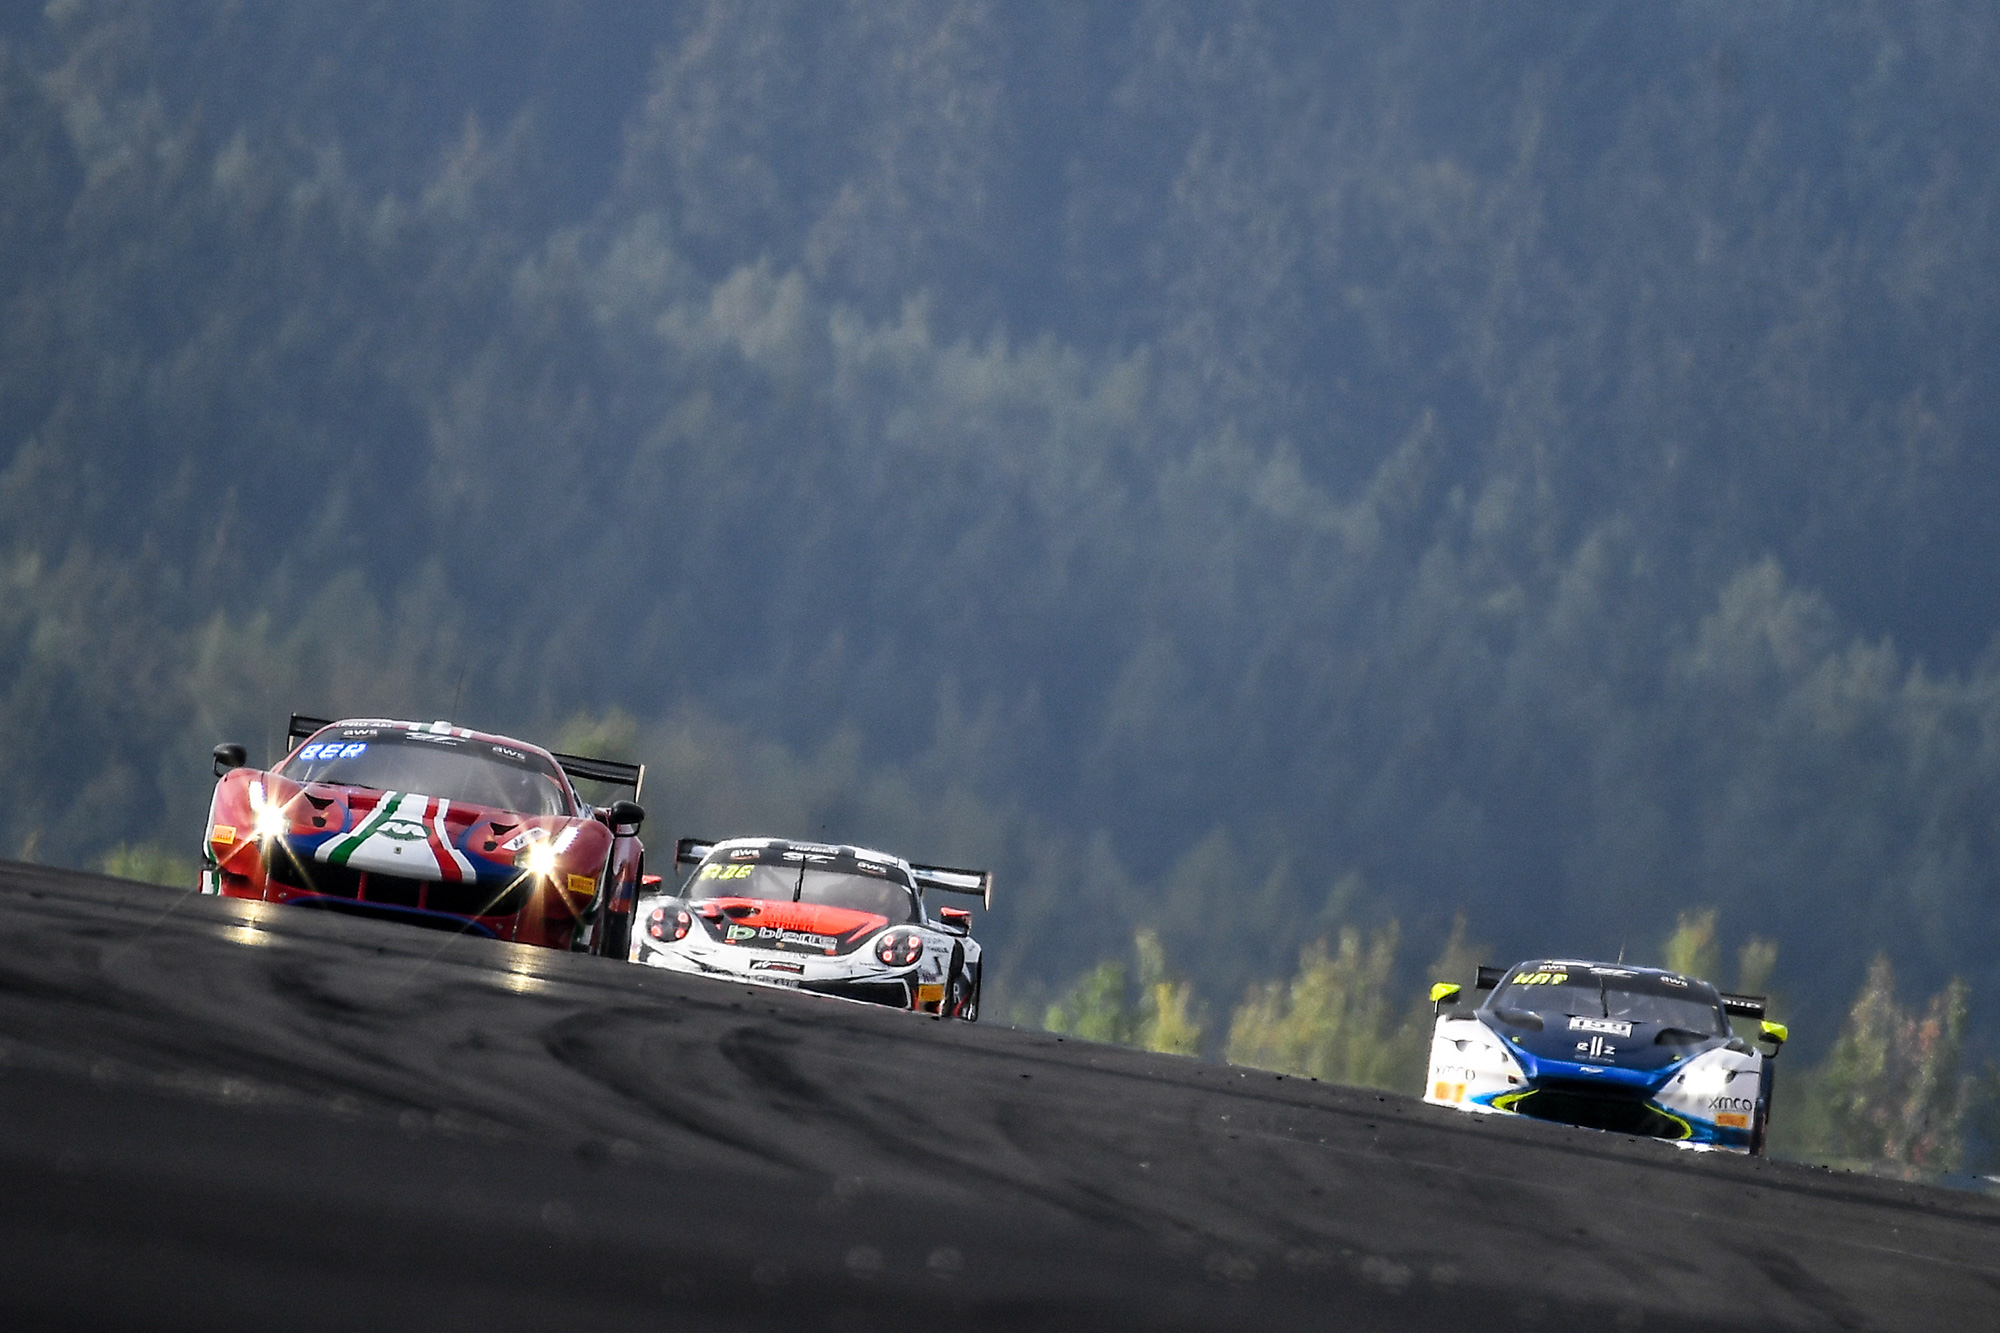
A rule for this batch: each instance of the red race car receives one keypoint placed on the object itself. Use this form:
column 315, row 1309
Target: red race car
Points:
column 434, row 825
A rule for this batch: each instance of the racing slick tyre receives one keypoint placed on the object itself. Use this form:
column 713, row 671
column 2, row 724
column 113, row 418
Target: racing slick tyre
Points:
column 961, row 995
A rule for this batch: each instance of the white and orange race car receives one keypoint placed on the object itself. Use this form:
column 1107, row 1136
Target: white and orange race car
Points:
column 434, row 825
column 837, row 920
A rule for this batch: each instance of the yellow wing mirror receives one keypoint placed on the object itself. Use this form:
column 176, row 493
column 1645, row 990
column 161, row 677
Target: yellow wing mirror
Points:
column 1775, row 1033
column 1442, row 994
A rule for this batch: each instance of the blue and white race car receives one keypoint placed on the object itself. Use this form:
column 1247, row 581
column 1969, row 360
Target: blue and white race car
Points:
column 1634, row 1050
column 841, row 921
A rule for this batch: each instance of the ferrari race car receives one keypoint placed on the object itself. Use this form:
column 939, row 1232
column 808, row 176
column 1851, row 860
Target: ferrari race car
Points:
column 1634, row 1050
column 840, row 921
column 434, row 825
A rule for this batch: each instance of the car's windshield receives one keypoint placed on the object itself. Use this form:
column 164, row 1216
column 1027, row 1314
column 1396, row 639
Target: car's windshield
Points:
column 882, row 893
column 1586, row 992
column 456, row 768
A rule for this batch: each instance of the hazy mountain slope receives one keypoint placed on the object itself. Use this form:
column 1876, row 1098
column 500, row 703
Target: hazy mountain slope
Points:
column 1532, row 458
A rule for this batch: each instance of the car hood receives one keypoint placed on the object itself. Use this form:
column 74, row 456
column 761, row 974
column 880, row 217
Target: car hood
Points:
column 429, row 838
column 1588, row 1048
column 764, row 923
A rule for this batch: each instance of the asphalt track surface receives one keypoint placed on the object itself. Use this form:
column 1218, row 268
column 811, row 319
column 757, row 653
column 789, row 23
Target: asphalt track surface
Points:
column 226, row 1115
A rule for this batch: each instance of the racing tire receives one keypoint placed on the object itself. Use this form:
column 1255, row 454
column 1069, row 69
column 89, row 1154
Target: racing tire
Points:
column 954, row 985
column 962, row 994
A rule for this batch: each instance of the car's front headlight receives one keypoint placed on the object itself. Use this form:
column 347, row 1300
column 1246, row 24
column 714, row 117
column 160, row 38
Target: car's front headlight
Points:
column 1706, row 1079
column 272, row 822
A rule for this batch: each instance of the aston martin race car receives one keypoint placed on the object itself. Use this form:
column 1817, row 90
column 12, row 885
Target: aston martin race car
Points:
column 1635, row 1050
column 842, row 921
column 434, row 825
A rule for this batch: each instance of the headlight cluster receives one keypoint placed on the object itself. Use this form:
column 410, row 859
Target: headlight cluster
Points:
column 1707, row 1079
column 539, row 858
column 272, row 822
column 900, row 948
column 661, row 928
column 269, row 819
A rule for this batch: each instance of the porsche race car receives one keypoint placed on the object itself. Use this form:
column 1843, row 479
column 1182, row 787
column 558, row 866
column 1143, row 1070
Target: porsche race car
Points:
column 1634, row 1050
column 838, row 920
column 434, row 825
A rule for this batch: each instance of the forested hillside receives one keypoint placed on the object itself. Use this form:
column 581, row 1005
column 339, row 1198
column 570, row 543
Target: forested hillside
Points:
column 1240, row 470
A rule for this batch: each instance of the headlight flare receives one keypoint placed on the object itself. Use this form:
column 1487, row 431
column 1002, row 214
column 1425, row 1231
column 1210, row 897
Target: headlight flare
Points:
column 272, row 822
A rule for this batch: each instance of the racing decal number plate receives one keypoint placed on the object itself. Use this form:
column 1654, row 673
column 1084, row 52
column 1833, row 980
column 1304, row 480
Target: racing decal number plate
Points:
column 1608, row 1025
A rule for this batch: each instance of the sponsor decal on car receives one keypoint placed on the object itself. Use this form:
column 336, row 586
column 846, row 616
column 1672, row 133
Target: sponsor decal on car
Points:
column 1728, row 1103
column 1597, row 1048
column 1608, row 1025
column 777, row 934
column 334, row 750
column 1732, row 1120
column 582, row 884
column 1541, row 978
column 778, row 965
column 223, row 835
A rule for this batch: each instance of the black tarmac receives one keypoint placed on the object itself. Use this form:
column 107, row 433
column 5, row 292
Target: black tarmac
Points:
column 223, row 1115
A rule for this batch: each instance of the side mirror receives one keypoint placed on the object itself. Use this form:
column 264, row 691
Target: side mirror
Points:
column 626, row 816
column 229, row 755
column 1775, row 1033
column 957, row 920
column 1442, row 994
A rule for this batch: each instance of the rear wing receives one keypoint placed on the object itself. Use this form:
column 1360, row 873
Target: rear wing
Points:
column 973, row 883
column 1746, row 1006
column 1489, row 977
column 608, row 771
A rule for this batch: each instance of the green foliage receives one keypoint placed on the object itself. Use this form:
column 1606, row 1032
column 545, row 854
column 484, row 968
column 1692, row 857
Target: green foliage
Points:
column 1160, row 1013
column 1692, row 949
column 1891, row 1094
column 1755, row 962
column 1170, row 1018
column 1098, row 1007
column 150, row 863
column 1982, row 1120
column 1026, row 460
column 1334, row 1019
